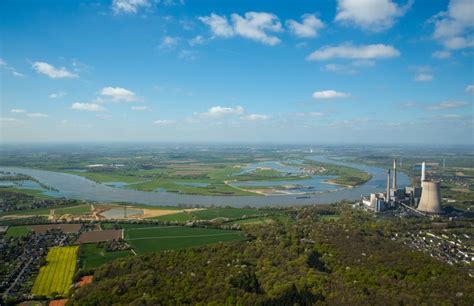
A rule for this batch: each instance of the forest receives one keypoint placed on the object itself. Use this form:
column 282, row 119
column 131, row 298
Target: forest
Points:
column 309, row 260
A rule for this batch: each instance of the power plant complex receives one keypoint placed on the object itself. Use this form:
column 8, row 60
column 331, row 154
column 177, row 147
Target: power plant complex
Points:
column 425, row 199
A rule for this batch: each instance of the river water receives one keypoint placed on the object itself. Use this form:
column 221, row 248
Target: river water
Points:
column 76, row 187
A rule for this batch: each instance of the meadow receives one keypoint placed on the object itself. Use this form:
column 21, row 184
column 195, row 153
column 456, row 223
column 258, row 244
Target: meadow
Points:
column 56, row 276
column 18, row 231
column 151, row 238
column 93, row 256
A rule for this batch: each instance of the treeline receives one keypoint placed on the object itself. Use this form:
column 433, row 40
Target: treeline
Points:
column 311, row 261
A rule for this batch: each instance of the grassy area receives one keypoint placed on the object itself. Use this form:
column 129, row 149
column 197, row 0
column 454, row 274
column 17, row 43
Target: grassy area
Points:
column 56, row 276
column 74, row 210
column 43, row 211
column 145, row 239
column 255, row 221
column 179, row 217
column 212, row 213
column 18, row 231
column 103, row 177
column 31, row 192
column 92, row 256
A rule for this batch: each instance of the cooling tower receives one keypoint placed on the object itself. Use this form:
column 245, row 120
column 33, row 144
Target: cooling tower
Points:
column 430, row 201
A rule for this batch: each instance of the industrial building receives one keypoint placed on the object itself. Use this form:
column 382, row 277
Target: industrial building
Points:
column 425, row 199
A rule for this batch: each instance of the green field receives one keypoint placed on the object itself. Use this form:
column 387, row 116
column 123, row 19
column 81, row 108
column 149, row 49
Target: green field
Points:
column 31, row 192
column 255, row 221
column 17, row 231
column 212, row 213
column 74, row 210
column 92, row 256
column 56, row 276
column 152, row 238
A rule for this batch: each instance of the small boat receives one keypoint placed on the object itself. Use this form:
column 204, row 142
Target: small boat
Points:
column 303, row 197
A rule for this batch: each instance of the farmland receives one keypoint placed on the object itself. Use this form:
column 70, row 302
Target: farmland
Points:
column 152, row 238
column 56, row 276
column 92, row 256
column 18, row 231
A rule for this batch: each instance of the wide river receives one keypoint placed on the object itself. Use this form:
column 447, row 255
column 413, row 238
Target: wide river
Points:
column 76, row 187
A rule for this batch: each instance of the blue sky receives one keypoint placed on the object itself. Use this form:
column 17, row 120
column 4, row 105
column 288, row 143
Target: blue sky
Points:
column 346, row 71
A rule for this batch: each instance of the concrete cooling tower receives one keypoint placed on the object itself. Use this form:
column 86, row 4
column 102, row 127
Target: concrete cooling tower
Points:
column 430, row 201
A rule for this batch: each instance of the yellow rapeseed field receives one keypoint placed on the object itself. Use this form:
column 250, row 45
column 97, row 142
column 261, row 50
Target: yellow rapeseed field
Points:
column 56, row 276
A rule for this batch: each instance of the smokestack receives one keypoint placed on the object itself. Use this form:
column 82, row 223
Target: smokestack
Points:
column 394, row 174
column 423, row 172
column 387, row 199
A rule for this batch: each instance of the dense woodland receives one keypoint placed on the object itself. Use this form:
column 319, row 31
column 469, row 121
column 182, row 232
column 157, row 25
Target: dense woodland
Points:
column 313, row 260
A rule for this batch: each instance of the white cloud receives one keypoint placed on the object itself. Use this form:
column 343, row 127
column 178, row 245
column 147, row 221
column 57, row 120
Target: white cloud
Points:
column 118, row 94
column 189, row 55
column 169, row 43
column 307, row 28
column 447, row 105
column 220, row 111
column 89, row 107
column 470, row 89
column 17, row 110
column 4, row 65
column 348, row 51
column 128, row 6
column 52, row 72
column 253, row 25
column 6, row 120
column 256, row 117
column 372, row 15
column 330, row 94
column 37, row 115
column 452, row 27
column 219, row 25
column 139, row 108
column 197, row 40
column 424, row 77
column 163, row 122
column 441, row 54
column 57, row 95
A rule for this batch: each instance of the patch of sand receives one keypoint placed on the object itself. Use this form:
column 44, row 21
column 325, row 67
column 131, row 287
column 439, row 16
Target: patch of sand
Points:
column 150, row 213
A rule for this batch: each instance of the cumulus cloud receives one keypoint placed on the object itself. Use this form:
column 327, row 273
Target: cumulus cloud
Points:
column 469, row 89
column 453, row 28
column 57, row 95
column 424, row 77
column 330, row 94
column 169, row 43
column 372, row 15
column 118, row 94
column 221, row 111
column 89, row 107
column 307, row 28
column 447, row 105
column 163, row 122
column 441, row 54
column 256, row 117
column 53, row 72
column 253, row 25
column 219, row 25
column 128, row 6
column 139, row 108
column 196, row 40
column 17, row 110
column 348, row 51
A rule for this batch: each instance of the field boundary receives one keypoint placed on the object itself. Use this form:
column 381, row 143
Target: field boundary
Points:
column 187, row 236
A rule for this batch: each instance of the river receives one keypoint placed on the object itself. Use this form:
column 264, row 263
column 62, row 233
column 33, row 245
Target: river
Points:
column 77, row 187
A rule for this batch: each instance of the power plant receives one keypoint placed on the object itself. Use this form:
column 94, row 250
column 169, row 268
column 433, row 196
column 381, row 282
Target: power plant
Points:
column 425, row 199
column 430, row 198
